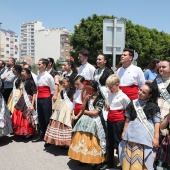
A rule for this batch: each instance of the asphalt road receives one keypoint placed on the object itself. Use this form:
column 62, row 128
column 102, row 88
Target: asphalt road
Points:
column 17, row 153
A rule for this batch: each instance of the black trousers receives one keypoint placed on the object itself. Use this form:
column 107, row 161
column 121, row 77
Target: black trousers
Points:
column 44, row 108
column 6, row 93
column 113, row 138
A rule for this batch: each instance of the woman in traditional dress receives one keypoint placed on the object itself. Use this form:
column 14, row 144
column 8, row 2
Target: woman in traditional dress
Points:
column 24, row 118
column 100, row 75
column 161, row 95
column 152, row 70
column 17, row 86
column 164, row 150
column 141, row 132
column 88, row 143
column 59, row 129
column 70, row 71
column 161, row 88
column 5, row 119
column 51, row 68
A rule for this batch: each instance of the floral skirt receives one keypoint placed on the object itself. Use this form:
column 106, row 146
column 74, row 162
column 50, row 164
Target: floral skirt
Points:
column 133, row 158
column 58, row 134
column 85, row 148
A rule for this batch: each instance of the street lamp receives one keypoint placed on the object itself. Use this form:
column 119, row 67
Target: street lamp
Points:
column 0, row 39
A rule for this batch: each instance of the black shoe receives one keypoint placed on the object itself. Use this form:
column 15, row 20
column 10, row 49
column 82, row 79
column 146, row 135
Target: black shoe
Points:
column 28, row 136
column 82, row 164
column 47, row 144
column 94, row 166
column 38, row 139
column 106, row 166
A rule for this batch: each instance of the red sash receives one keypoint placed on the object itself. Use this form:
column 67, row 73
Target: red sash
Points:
column 44, row 92
column 130, row 91
column 77, row 108
column 116, row 115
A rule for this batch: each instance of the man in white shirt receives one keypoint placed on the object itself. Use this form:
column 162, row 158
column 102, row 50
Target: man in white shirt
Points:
column 131, row 76
column 86, row 70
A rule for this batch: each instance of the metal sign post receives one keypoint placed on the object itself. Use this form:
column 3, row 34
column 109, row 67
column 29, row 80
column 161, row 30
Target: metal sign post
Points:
column 113, row 37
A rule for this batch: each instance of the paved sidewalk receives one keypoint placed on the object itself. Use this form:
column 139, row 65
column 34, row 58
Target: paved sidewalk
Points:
column 17, row 153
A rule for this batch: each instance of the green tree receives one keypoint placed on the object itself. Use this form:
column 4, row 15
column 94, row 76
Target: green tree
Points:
column 34, row 68
column 89, row 35
column 58, row 65
column 148, row 43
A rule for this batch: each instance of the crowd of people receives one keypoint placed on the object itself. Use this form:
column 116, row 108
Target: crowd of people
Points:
column 91, row 111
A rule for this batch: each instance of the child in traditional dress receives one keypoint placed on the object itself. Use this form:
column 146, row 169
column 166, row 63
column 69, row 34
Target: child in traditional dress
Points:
column 23, row 116
column 77, row 102
column 17, row 87
column 164, row 150
column 59, row 129
column 88, row 143
column 141, row 132
column 118, row 102
column 161, row 95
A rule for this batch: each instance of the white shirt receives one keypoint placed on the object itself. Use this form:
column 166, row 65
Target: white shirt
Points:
column 8, row 82
column 45, row 79
column 118, row 101
column 77, row 98
column 87, row 71
column 131, row 75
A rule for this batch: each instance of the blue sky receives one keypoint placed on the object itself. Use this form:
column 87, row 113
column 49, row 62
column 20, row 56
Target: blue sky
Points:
column 67, row 13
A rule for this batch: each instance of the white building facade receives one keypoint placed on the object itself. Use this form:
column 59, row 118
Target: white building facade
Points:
column 53, row 43
column 28, row 38
column 9, row 45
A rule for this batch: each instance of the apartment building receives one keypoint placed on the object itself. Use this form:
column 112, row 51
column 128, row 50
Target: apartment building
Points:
column 52, row 43
column 9, row 44
column 28, row 38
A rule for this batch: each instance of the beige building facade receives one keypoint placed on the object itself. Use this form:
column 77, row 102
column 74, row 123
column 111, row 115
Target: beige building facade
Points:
column 52, row 43
column 9, row 45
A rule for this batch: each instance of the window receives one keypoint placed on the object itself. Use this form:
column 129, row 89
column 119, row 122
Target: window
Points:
column 7, row 39
column 7, row 45
column 7, row 52
column 15, row 52
column 16, row 40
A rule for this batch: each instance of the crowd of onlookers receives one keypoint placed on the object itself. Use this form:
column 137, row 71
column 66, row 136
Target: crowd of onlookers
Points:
column 91, row 111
